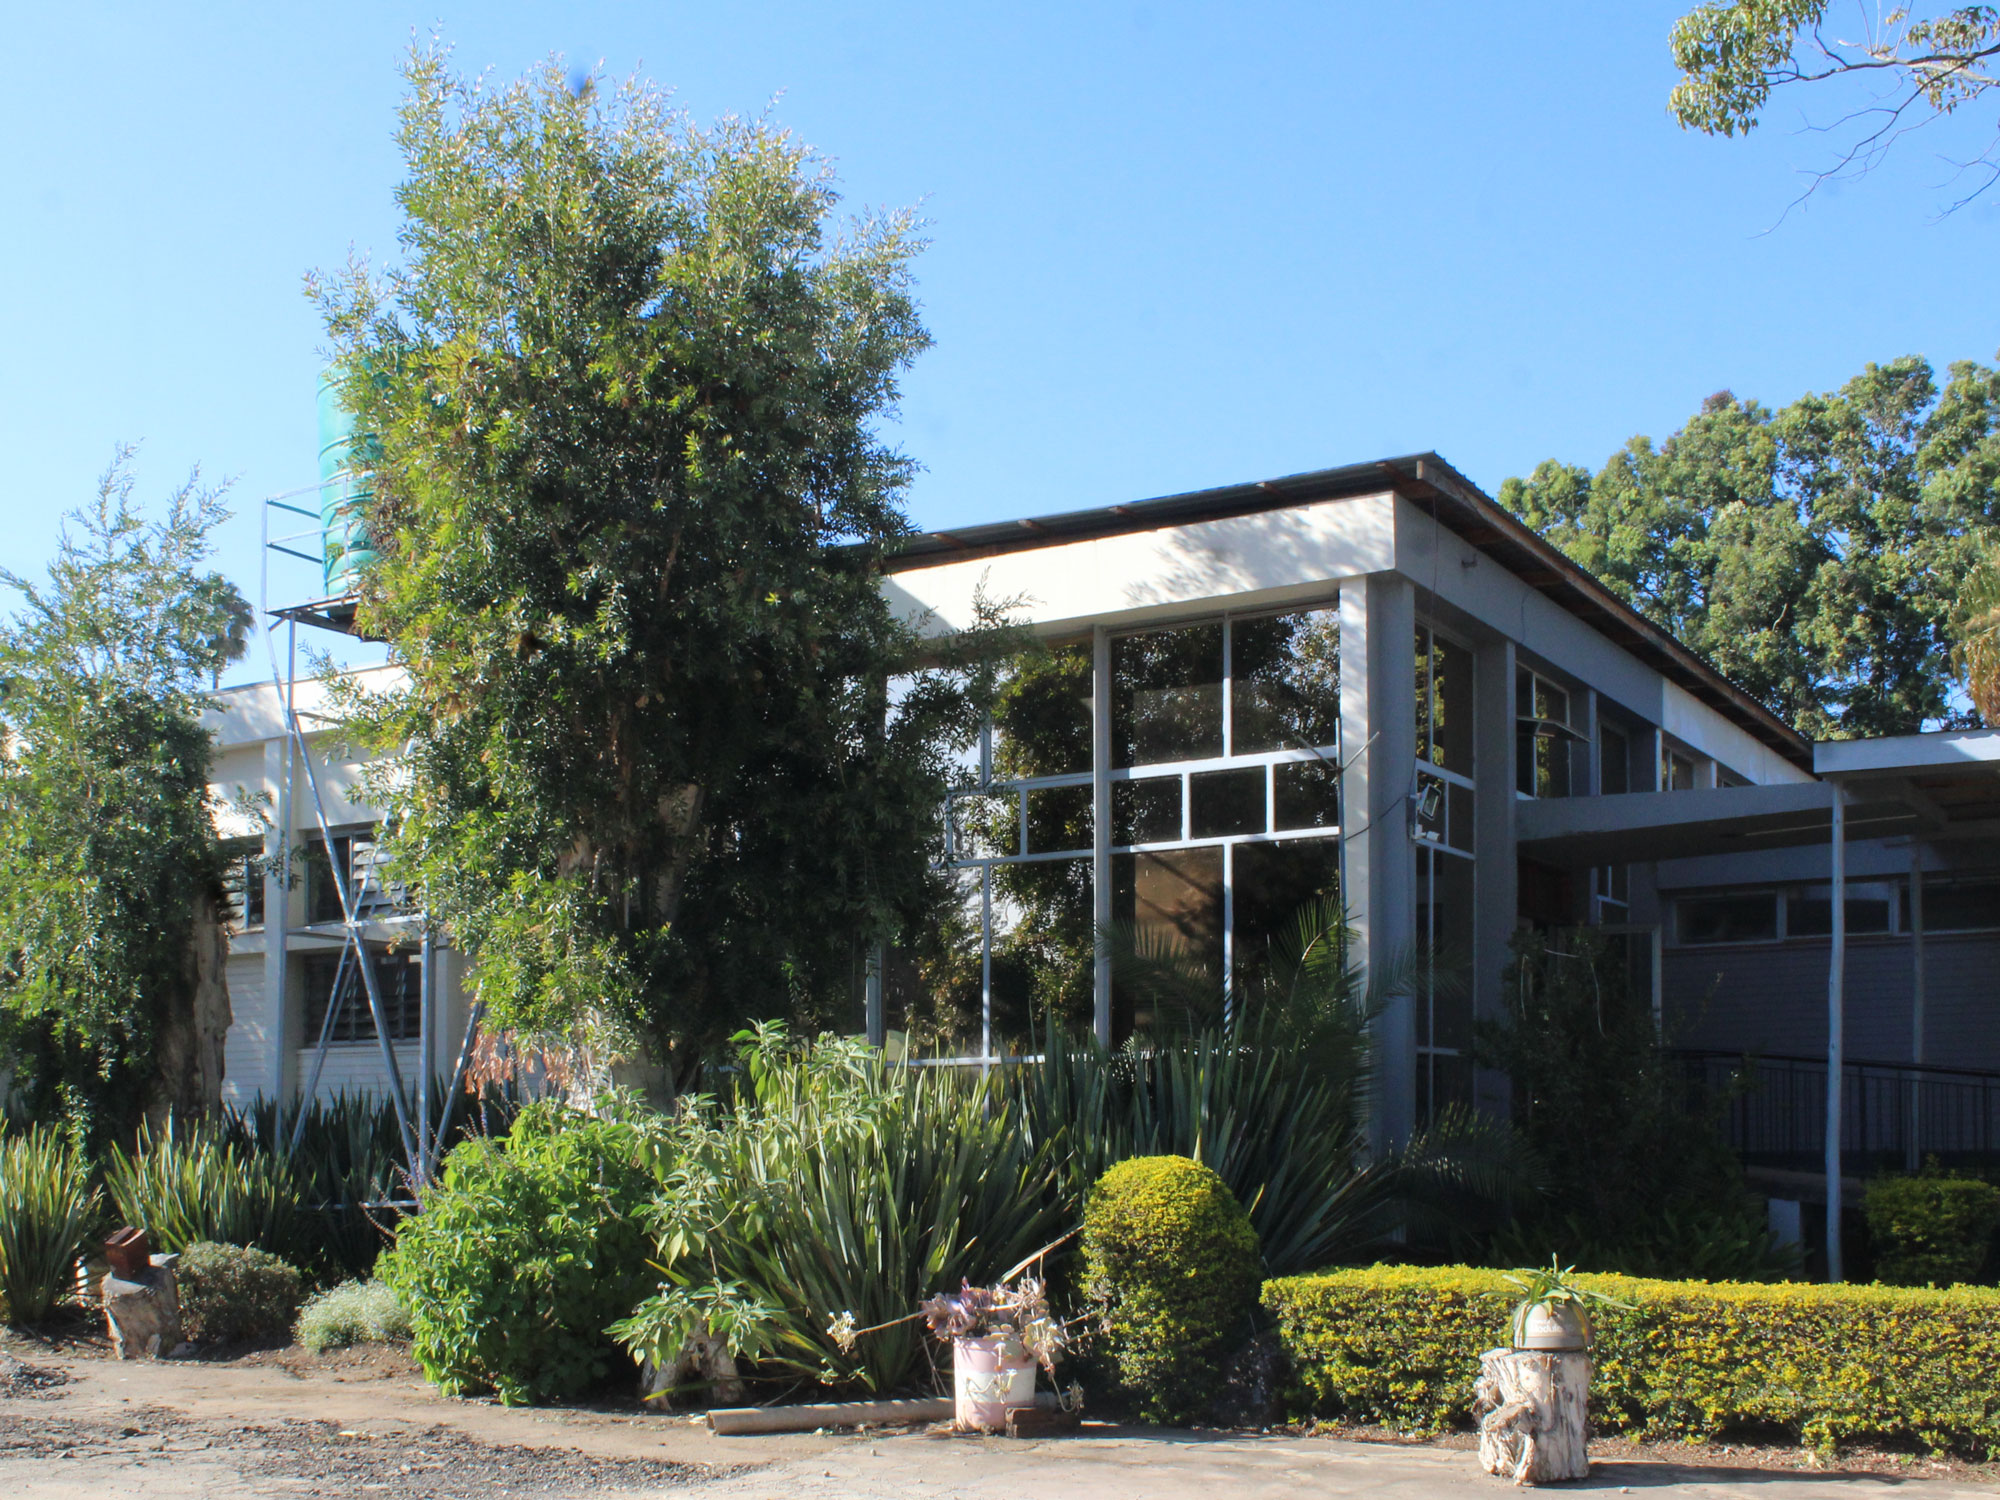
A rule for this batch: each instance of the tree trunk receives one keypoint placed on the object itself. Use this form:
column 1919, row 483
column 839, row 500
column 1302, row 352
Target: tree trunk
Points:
column 189, row 1035
column 1534, row 1404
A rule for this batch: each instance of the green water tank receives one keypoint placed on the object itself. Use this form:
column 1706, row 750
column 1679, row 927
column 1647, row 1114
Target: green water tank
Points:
column 346, row 490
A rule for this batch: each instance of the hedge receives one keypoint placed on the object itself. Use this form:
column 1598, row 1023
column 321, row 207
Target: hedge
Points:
column 1399, row 1346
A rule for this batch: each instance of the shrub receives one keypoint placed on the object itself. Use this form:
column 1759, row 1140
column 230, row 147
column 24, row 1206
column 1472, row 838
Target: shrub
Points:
column 1400, row 1346
column 355, row 1312
column 184, row 1185
column 231, row 1293
column 1170, row 1261
column 47, row 1211
column 1931, row 1230
column 526, row 1251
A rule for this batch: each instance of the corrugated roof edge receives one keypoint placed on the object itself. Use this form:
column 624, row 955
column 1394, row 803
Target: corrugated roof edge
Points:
column 1424, row 478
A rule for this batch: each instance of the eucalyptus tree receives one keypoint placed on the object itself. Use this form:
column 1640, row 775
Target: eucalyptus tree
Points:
column 111, row 989
column 1904, row 67
column 1815, row 554
column 665, row 758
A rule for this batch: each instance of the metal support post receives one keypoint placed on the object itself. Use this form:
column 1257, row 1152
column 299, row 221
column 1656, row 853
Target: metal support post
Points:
column 1836, row 1019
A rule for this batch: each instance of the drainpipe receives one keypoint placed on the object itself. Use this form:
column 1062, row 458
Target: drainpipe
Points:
column 1836, row 1017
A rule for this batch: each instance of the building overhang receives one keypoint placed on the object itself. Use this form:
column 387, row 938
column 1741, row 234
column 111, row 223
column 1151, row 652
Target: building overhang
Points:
column 1640, row 827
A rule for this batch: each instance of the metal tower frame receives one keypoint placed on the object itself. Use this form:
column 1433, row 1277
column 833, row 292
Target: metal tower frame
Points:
column 422, row 1139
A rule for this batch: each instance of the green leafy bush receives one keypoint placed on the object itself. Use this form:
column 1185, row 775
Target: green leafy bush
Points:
column 184, row 1184
column 1932, row 1229
column 47, row 1212
column 1171, row 1264
column 526, row 1251
column 231, row 1293
column 355, row 1312
column 1400, row 1346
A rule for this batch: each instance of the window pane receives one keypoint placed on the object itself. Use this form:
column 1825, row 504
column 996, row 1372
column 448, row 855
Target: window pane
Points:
column 1728, row 919
column 1444, row 934
column 1042, row 716
column 1172, row 902
column 1307, row 795
column 1444, row 703
column 1458, row 827
column 1166, row 698
column 243, row 883
column 1810, row 912
column 1285, row 682
column 1615, row 762
column 1058, row 818
column 1226, row 802
column 398, row 977
column 1273, row 884
column 1961, row 905
column 985, row 825
column 1146, row 812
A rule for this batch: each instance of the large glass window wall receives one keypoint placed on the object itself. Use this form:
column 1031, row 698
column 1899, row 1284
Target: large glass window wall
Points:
column 1223, row 788
column 1442, row 828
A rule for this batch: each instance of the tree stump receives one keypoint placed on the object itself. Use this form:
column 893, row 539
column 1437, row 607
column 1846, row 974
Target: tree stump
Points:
column 1534, row 1404
column 703, row 1361
column 143, row 1309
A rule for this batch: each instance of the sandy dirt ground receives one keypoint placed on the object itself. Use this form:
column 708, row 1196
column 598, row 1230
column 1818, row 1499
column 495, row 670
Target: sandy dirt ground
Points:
column 77, row 1426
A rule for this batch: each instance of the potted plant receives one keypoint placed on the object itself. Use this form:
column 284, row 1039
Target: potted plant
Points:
column 997, row 1333
column 1552, row 1316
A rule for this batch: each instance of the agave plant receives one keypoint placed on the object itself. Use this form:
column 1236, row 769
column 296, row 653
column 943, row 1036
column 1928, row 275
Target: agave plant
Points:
column 182, row 1183
column 48, row 1211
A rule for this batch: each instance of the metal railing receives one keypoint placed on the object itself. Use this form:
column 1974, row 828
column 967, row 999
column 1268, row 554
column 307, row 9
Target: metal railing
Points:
column 1894, row 1116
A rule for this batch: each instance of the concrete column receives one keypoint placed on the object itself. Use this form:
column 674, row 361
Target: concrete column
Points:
column 1378, row 740
column 1496, row 871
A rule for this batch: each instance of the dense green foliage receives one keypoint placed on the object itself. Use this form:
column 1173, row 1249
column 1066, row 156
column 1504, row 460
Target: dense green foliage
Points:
column 235, row 1293
column 1400, row 1346
column 354, row 1312
column 1636, row 1178
column 1906, row 67
column 110, row 868
column 623, row 393
column 48, row 1211
column 1931, row 1230
column 526, row 1251
column 1170, row 1262
column 1813, row 554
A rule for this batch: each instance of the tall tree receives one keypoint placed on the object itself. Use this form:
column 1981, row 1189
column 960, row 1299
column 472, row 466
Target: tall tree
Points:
column 1911, row 65
column 1814, row 554
column 624, row 391
column 111, row 946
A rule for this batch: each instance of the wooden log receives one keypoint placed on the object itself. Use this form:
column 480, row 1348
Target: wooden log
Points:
column 741, row 1420
column 1534, row 1405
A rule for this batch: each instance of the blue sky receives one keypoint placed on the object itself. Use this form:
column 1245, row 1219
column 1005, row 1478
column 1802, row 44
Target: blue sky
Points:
column 1174, row 245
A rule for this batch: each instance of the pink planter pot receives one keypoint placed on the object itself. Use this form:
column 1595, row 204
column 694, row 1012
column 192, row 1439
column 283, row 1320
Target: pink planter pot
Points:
column 992, row 1376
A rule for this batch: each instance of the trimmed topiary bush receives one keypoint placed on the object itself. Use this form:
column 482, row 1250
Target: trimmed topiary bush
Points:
column 355, row 1312
column 230, row 1293
column 1170, row 1261
column 1400, row 1346
column 525, row 1252
column 1931, row 1230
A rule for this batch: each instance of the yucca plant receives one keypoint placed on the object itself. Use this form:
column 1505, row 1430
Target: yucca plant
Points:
column 48, row 1211
column 183, row 1183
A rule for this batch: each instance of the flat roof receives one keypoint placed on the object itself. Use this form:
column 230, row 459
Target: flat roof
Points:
column 1424, row 479
column 1902, row 754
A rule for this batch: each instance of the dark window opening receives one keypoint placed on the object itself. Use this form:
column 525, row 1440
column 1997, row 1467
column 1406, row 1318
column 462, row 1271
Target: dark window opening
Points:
column 398, row 977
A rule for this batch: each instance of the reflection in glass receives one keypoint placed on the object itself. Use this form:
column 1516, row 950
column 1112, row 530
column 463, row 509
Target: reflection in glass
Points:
column 1041, row 718
column 1221, row 803
column 1444, row 702
column 1305, row 794
column 1166, row 695
column 1543, row 743
column 985, row 825
column 1271, row 884
column 1171, row 903
column 1810, row 913
column 1749, row 918
column 1146, row 812
column 1284, row 682
column 1058, row 818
